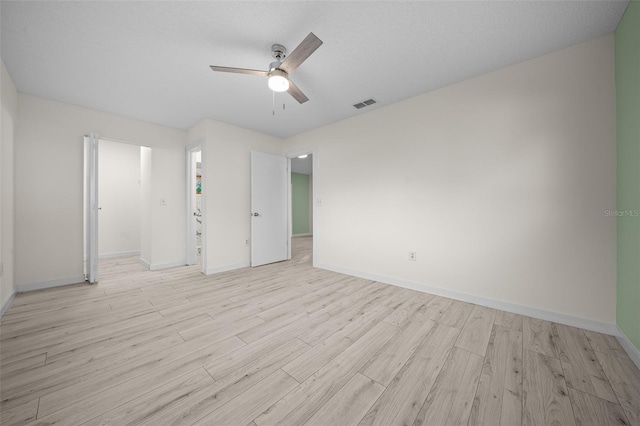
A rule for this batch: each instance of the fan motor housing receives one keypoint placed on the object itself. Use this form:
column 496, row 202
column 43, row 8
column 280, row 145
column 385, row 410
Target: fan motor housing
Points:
column 279, row 52
column 274, row 65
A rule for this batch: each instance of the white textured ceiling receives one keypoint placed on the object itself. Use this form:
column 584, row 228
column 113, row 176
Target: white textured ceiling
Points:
column 150, row 60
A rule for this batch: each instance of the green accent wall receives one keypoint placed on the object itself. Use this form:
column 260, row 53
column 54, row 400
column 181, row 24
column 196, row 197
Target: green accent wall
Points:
column 628, row 172
column 300, row 203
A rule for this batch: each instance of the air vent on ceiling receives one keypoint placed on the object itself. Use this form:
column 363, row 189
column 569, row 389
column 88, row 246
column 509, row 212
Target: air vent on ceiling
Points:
column 366, row 103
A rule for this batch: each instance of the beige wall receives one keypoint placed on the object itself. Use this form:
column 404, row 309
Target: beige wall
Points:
column 227, row 189
column 8, row 119
column 49, row 182
column 499, row 183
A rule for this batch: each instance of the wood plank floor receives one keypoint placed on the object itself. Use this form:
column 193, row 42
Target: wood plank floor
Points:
column 287, row 344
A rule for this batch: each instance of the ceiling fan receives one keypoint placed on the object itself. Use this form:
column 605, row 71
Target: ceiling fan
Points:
column 283, row 66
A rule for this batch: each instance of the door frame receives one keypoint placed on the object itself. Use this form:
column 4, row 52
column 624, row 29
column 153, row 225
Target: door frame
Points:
column 91, row 143
column 314, row 203
column 190, row 200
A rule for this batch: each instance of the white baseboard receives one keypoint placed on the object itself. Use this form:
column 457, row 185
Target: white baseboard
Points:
column 302, row 235
column 225, row 268
column 7, row 304
column 119, row 254
column 574, row 321
column 144, row 263
column 48, row 284
column 630, row 349
column 168, row 265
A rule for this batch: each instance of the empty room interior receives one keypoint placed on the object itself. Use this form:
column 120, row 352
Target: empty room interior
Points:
column 320, row 213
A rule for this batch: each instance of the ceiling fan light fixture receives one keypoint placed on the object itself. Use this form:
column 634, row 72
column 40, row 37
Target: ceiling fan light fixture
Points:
column 278, row 81
column 278, row 74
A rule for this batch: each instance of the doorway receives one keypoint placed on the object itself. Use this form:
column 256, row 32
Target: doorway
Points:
column 114, row 223
column 302, row 208
column 196, row 205
column 272, row 208
column 119, row 209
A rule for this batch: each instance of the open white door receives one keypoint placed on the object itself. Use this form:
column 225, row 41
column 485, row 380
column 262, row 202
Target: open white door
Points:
column 269, row 201
column 91, row 206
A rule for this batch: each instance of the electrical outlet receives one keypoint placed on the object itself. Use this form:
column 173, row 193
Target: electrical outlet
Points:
column 246, row 242
column 412, row 256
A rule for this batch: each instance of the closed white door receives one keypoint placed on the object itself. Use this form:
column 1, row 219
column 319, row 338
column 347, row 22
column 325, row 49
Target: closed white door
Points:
column 269, row 219
column 91, row 207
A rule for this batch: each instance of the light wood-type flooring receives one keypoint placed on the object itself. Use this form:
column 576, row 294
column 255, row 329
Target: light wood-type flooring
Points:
column 286, row 344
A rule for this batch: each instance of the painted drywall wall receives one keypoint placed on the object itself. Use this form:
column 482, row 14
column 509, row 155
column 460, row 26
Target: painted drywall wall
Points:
column 627, row 38
column 227, row 186
column 8, row 118
column 168, row 233
column 300, row 203
column 119, row 195
column 499, row 183
column 49, row 169
column 146, row 159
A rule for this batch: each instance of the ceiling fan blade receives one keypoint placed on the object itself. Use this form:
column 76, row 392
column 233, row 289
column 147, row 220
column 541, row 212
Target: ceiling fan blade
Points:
column 301, row 53
column 239, row 70
column 297, row 93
